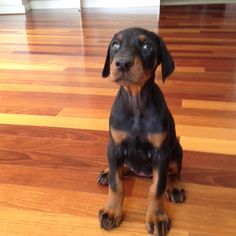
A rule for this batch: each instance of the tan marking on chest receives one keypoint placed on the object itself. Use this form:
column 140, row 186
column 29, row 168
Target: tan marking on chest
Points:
column 118, row 135
column 156, row 139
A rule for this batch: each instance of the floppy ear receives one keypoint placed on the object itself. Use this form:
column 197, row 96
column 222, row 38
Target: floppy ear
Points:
column 106, row 69
column 166, row 60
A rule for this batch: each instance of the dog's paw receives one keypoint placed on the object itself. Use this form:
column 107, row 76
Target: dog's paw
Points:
column 102, row 178
column 109, row 220
column 176, row 195
column 159, row 225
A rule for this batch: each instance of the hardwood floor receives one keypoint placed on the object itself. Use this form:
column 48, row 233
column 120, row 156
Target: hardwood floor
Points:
column 54, row 109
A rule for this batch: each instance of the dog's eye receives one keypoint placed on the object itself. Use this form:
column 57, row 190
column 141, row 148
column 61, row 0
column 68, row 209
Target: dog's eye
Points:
column 116, row 45
column 147, row 46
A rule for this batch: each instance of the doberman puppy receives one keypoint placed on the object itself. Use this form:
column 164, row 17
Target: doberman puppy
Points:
column 142, row 130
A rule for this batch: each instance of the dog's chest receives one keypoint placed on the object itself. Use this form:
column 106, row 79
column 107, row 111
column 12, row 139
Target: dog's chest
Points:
column 137, row 154
column 137, row 122
column 137, row 151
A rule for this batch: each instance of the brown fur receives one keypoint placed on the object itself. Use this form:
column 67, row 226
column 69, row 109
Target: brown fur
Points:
column 155, row 212
column 113, row 206
column 157, row 139
column 118, row 135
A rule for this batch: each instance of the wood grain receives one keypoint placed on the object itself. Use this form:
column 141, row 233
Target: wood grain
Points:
column 54, row 111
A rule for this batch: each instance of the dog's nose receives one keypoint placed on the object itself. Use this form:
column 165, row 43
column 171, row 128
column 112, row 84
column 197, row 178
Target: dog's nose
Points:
column 124, row 64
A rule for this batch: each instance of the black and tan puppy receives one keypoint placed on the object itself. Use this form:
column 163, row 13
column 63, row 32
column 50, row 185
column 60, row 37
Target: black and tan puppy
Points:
column 142, row 130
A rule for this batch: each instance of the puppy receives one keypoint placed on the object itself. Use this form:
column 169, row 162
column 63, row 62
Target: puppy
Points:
column 142, row 130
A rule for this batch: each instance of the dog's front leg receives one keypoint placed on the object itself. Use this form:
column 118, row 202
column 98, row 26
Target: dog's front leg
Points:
column 157, row 221
column 111, row 214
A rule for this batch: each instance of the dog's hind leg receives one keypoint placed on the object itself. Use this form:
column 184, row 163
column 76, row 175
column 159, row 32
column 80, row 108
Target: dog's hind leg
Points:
column 102, row 178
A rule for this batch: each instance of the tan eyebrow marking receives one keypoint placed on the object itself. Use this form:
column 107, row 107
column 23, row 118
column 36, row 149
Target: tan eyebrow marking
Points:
column 119, row 37
column 142, row 38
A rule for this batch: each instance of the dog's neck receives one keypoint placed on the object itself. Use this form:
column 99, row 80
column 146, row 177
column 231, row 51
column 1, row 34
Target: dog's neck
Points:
column 133, row 90
column 134, row 95
column 137, row 95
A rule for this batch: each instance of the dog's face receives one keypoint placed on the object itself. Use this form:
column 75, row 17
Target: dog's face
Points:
column 133, row 56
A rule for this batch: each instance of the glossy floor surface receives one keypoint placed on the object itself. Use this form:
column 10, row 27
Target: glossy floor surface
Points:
column 54, row 109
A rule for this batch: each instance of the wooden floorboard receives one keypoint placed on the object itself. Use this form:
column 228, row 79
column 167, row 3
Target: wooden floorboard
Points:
column 54, row 110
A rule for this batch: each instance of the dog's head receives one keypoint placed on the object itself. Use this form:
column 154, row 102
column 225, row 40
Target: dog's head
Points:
column 133, row 56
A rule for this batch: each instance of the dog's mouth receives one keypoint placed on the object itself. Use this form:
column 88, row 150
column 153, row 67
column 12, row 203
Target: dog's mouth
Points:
column 123, row 81
column 123, row 78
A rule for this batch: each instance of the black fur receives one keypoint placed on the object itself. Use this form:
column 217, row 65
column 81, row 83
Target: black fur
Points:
column 150, row 116
column 160, row 52
column 144, row 114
